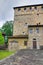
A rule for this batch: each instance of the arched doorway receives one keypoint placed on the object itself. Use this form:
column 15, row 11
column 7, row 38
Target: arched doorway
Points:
column 34, row 43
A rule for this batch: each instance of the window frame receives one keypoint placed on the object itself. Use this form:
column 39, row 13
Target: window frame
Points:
column 31, row 30
column 37, row 29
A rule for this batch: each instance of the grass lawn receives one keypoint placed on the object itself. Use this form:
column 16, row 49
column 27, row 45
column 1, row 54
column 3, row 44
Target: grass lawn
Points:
column 5, row 53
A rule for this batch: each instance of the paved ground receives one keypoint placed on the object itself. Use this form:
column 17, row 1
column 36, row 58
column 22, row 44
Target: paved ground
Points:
column 25, row 57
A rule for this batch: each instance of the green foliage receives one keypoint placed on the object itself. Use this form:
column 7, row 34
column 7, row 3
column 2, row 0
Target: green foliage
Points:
column 1, row 39
column 8, row 28
column 6, row 39
column 0, row 30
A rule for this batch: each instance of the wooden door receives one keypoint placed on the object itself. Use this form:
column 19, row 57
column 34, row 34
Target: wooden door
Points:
column 34, row 44
column 25, row 43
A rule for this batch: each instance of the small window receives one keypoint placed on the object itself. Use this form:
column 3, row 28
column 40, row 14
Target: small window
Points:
column 37, row 30
column 42, row 7
column 37, row 14
column 30, row 8
column 39, row 22
column 15, row 41
column 24, row 33
column 25, row 23
column 31, row 30
column 25, row 43
column 35, row 7
column 24, row 8
column 18, row 9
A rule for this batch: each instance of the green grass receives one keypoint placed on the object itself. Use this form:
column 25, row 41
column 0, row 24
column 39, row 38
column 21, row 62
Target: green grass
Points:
column 5, row 53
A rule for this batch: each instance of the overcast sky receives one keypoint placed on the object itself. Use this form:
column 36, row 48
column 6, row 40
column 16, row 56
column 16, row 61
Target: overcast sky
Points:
column 6, row 8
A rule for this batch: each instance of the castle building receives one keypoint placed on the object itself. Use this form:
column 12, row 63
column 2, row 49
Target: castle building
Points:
column 27, row 28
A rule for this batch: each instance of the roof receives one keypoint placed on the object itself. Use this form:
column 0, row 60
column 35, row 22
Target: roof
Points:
column 35, row 25
column 28, row 6
column 18, row 36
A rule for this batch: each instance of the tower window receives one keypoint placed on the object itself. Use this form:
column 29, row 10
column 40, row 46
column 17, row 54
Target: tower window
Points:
column 24, row 33
column 18, row 9
column 37, row 14
column 35, row 7
column 42, row 7
column 30, row 8
column 39, row 22
column 25, row 43
column 24, row 8
column 25, row 23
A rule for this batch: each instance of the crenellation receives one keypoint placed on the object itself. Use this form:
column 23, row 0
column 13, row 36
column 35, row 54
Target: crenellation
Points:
column 28, row 10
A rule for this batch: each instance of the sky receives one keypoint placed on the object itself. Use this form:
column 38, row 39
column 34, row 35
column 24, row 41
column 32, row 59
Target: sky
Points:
column 6, row 8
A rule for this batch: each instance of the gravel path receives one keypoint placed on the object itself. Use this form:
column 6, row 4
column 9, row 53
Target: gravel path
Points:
column 25, row 57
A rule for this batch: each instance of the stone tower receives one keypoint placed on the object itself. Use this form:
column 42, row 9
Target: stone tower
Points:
column 27, row 15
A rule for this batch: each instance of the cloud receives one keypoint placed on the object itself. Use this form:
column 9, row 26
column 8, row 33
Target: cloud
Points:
column 27, row 2
column 6, row 7
column 1, row 23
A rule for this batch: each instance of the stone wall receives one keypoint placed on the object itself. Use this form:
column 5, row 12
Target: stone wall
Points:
column 16, row 44
column 37, row 36
column 23, row 18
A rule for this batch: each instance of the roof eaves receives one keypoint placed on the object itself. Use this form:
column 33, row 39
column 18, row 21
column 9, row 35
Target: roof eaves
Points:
column 28, row 6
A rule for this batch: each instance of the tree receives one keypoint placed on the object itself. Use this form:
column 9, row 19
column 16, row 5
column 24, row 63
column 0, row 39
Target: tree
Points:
column 1, row 39
column 7, row 28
